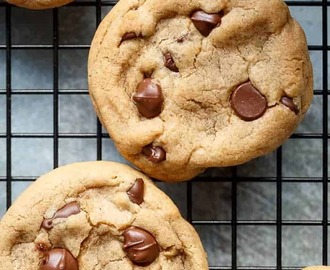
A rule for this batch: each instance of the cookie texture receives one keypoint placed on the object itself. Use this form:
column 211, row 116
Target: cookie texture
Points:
column 39, row 4
column 183, row 86
column 97, row 215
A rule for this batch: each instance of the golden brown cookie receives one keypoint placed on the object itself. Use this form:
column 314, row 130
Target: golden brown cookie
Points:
column 97, row 215
column 182, row 87
column 39, row 4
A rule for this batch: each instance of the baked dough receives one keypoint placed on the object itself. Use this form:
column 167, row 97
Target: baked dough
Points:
column 93, row 216
column 183, row 86
column 39, row 4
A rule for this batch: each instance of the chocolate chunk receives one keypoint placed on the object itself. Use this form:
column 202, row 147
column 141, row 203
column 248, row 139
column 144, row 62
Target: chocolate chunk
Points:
column 66, row 211
column 141, row 247
column 248, row 103
column 127, row 36
column 136, row 192
column 59, row 259
column 288, row 102
column 205, row 22
column 149, row 98
column 169, row 62
column 154, row 154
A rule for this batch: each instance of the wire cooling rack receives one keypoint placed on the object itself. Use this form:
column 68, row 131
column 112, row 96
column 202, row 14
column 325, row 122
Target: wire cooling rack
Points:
column 235, row 236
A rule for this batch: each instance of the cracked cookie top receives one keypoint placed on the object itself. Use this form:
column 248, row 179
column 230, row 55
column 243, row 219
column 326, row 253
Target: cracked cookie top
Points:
column 39, row 4
column 93, row 216
column 182, row 86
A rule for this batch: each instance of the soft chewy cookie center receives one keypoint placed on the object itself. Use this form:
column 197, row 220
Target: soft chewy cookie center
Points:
column 138, row 245
column 192, row 76
column 200, row 85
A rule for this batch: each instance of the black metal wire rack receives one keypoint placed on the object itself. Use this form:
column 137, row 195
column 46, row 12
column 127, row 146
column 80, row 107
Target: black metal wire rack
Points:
column 232, row 176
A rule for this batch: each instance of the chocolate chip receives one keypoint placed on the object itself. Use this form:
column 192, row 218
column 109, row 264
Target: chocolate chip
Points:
column 248, row 103
column 205, row 22
column 147, row 75
column 136, row 192
column 141, row 247
column 47, row 224
column 182, row 38
column 169, row 62
column 127, row 36
column 154, row 154
column 66, row 211
column 288, row 102
column 149, row 98
column 59, row 259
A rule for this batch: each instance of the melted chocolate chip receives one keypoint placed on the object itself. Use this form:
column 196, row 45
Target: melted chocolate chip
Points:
column 149, row 98
column 247, row 102
column 47, row 224
column 154, row 154
column 182, row 38
column 141, row 247
column 136, row 192
column 169, row 62
column 205, row 22
column 59, row 259
column 127, row 36
column 66, row 211
column 147, row 75
column 288, row 102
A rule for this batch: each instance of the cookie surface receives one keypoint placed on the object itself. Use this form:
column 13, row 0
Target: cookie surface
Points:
column 39, row 4
column 183, row 87
column 97, row 215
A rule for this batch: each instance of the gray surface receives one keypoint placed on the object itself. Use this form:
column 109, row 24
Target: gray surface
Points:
column 256, row 245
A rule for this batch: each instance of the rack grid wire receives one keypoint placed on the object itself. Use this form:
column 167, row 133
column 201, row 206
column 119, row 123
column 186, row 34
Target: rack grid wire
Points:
column 234, row 178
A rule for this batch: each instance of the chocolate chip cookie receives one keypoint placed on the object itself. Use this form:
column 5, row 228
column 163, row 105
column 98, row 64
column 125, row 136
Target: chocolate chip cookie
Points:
column 181, row 87
column 39, row 4
column 97, row 215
